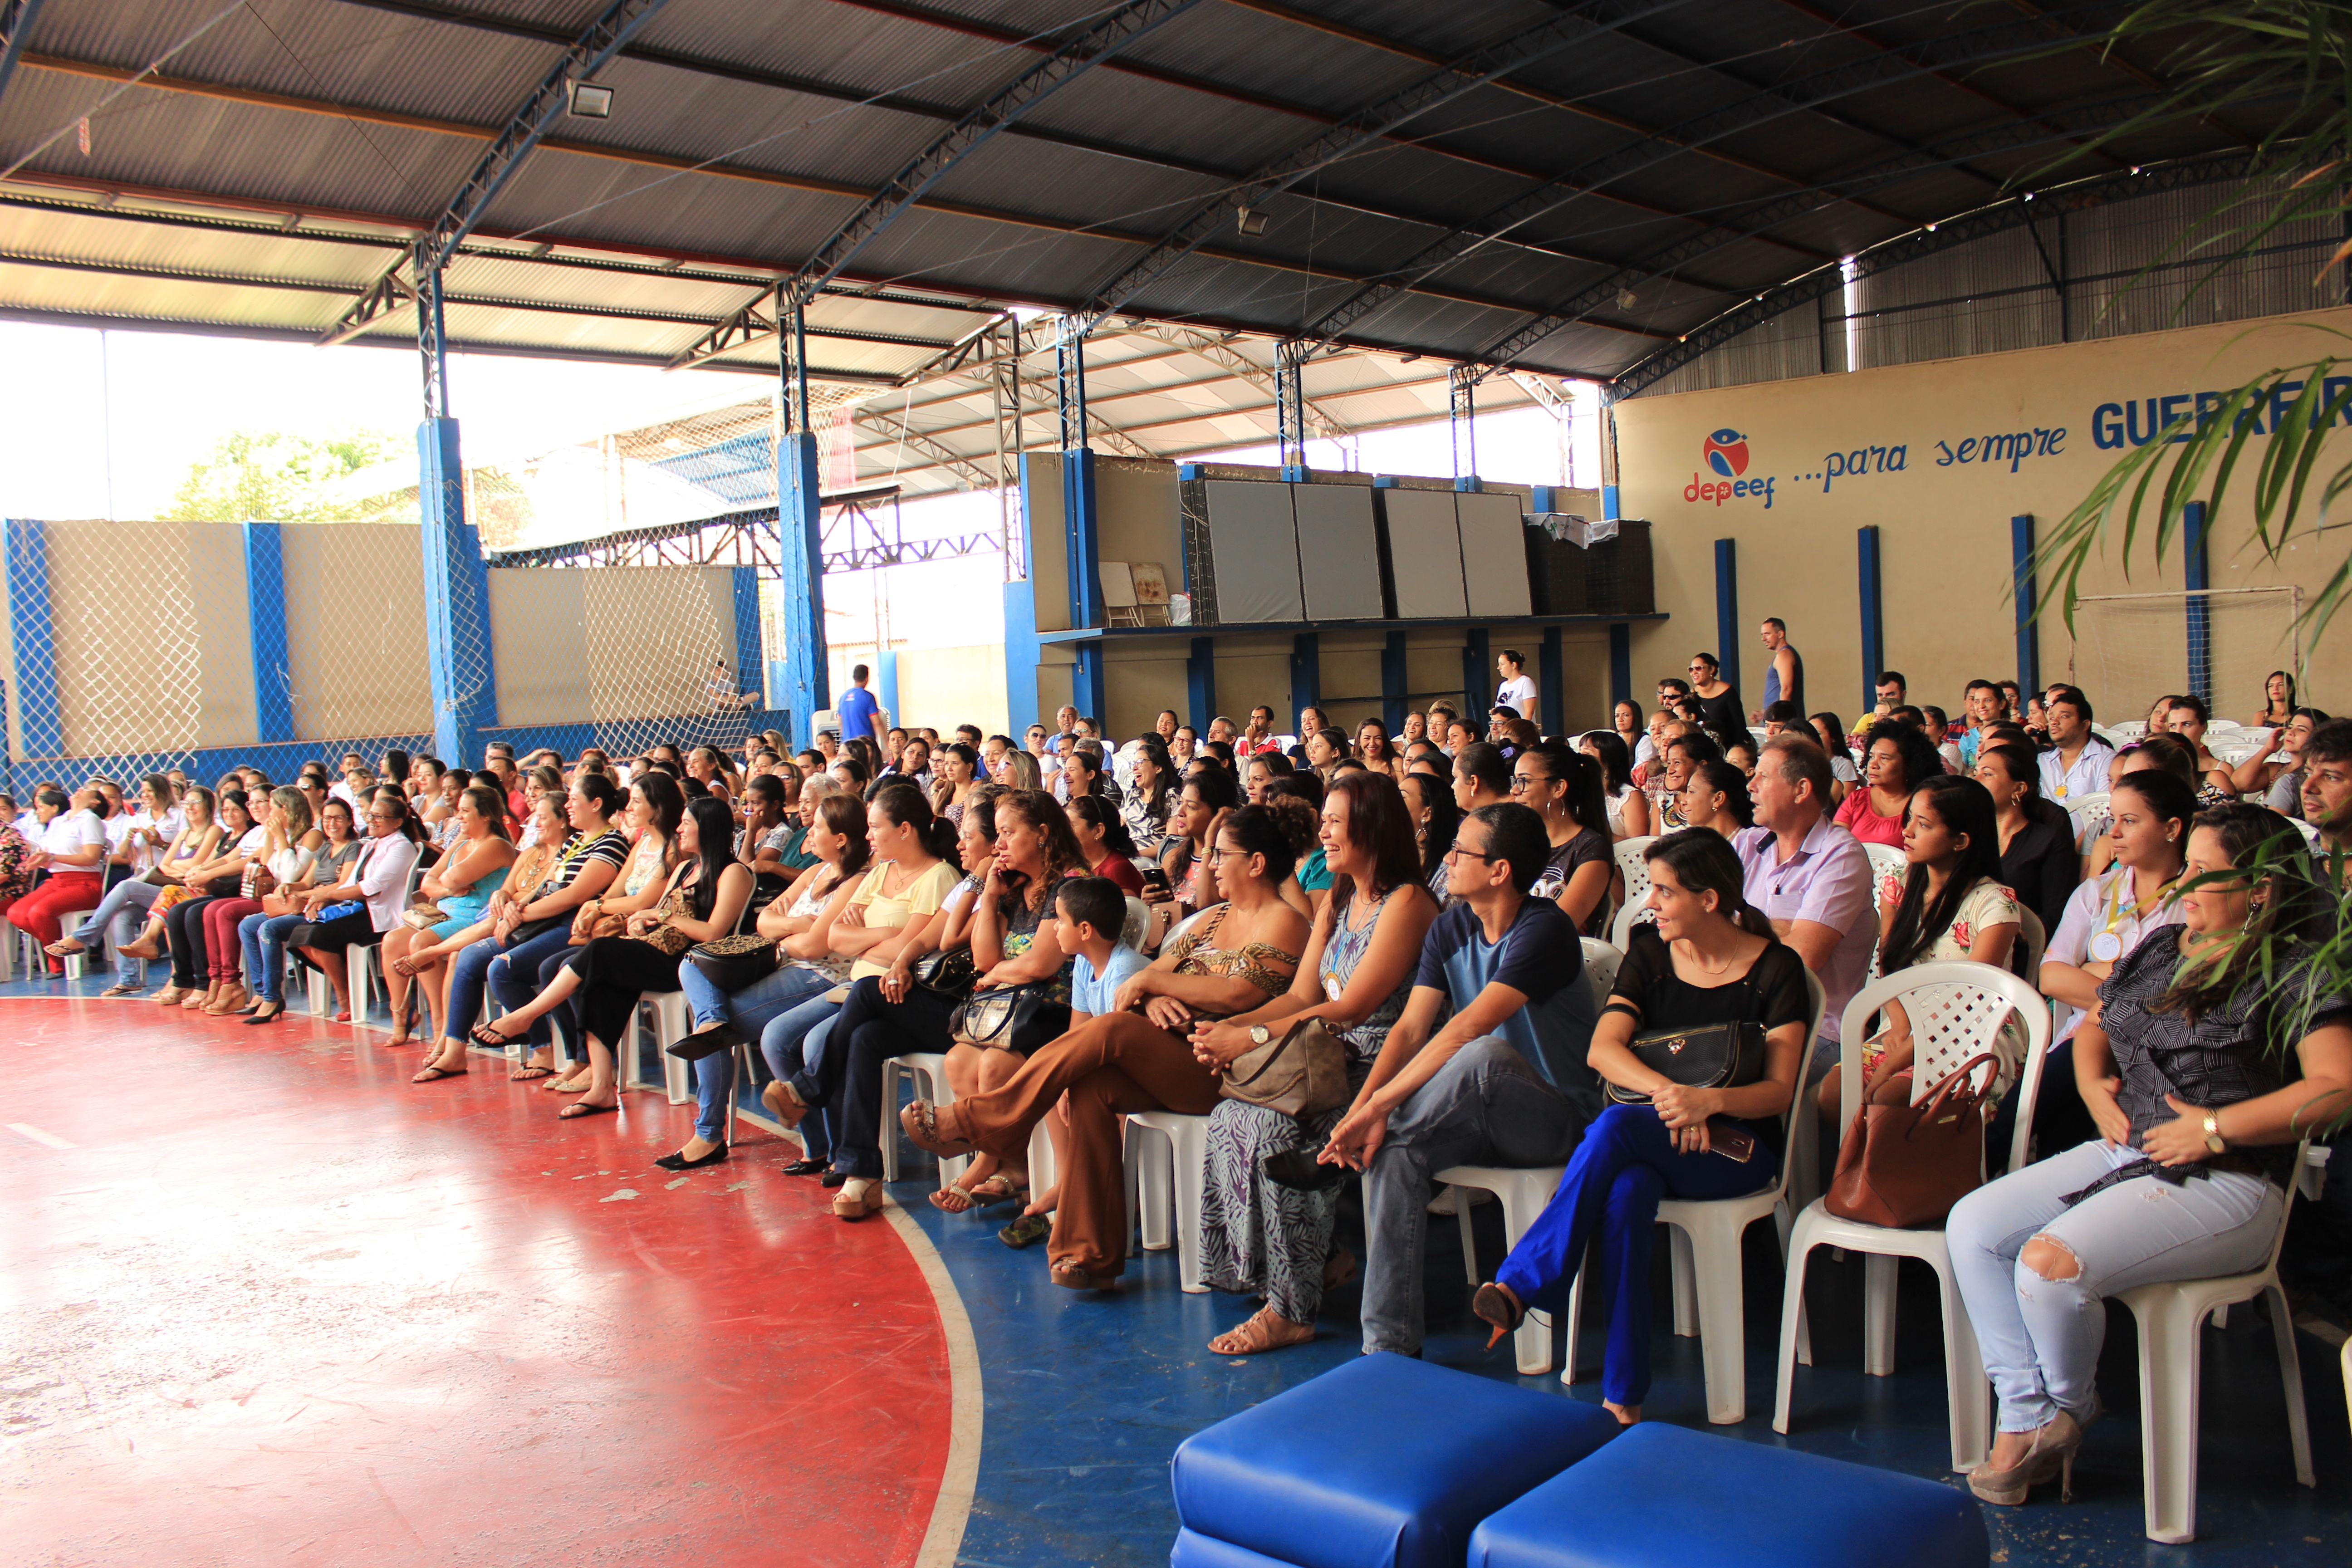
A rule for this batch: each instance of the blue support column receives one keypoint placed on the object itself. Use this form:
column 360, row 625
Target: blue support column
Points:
column 1621, row 665
column 2029, row 637
column 2193, row 557
column 265, row 598
column 1550, row 672
column 1080, row 547
column 1726, row 608
column 1393, row 682
column 799, row 588
column 1609, row 501
column 456, row 600
column 1873, row 620
column 749, row 672
column 1478, row 679
column 40, row 726
column 1088, row 683
column 1201, row 683
column 1023, row 654
column 886, row 686
column 1306, row 675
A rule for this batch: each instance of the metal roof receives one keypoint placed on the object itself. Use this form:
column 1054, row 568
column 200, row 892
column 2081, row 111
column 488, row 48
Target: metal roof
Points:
column 1676, row 160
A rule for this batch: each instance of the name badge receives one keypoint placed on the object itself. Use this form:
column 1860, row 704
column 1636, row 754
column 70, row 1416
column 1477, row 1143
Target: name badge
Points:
column 2106, row 947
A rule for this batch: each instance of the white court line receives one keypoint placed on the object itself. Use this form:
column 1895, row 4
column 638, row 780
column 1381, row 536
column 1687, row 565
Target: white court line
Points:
column 943, row 1540
column 37, row 1136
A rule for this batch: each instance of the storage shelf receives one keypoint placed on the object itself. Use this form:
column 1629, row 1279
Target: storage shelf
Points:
column 1252, row 628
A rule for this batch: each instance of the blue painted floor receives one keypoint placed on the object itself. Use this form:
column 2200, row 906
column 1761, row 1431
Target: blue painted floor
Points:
column 1088, row 1394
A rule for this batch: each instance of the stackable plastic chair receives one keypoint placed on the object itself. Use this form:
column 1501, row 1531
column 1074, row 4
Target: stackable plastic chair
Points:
column 929, row 1070
column 1632, row 863
column 1957, row 1012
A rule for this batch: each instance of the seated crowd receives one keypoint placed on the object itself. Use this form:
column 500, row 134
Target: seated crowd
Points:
column 1085, row 928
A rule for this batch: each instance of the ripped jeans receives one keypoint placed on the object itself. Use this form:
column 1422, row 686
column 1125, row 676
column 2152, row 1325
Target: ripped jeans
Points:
column 2040, row 1337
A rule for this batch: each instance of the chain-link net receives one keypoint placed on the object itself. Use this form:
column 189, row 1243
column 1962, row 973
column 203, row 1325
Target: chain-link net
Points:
column 2132, row 648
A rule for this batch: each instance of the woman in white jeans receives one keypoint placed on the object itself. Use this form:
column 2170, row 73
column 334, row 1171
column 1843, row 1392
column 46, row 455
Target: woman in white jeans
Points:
column 2181, row 1066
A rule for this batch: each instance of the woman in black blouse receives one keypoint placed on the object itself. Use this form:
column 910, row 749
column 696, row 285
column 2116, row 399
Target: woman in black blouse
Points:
column 1711, row 959
column 2183, row 1070
column 2037, row 863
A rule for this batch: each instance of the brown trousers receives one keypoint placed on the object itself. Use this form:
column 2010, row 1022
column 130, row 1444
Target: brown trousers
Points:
column 1111, row 1063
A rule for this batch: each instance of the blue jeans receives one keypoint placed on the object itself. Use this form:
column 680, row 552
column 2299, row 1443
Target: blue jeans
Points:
column 124, row 906
column 1625, row 1164
column 469, row 971
column 749, row 1010
column 521, row 972
column 263, row 937
column 784, row 1044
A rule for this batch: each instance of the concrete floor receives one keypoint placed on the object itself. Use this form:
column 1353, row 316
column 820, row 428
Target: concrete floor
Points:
column 274, row 1304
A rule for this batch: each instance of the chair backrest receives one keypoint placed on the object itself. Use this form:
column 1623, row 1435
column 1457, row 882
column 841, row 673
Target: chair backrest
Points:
column 1957, row 1011
column 1600, row 962
column 1886, row 860
column 2135, row 731
column 1137, row 925
column 2089, row 816
column 2036, row 939
column 1633, row 868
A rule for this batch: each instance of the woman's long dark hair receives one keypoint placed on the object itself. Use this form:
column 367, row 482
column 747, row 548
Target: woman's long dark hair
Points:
column 1259, row 831
column 1377, row 822
column 1727, row 780
column 491, row 807
column 714, row 839
column 1616, row 762
column 598, row 790
column 1097, row 813
column 1830, row 730
column 1156, row 799
column 1703, row 862
column 1966, row 806
column 1216, row 788
column 668, row 801
column 1046, row 817
column 906, row 806
column 1445, row 817
column 844, row 813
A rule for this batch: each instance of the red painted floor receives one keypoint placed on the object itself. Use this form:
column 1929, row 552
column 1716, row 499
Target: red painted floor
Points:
column 276, row 1305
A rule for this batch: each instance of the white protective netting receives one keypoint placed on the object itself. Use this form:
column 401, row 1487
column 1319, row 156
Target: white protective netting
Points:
column 2132, row 648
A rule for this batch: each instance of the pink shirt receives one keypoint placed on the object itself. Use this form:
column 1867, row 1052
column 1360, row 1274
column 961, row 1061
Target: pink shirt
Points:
column 1857, row 816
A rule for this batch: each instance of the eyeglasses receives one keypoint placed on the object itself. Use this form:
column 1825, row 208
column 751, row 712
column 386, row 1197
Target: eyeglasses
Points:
column 1457, row 848
column 1520, row 782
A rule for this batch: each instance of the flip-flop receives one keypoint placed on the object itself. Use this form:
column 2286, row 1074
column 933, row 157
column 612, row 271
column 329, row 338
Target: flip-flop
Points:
column 1027, row 1231
column 530, row 1074
column 435, row 1075
column 580, row 1108
column 482, row 1035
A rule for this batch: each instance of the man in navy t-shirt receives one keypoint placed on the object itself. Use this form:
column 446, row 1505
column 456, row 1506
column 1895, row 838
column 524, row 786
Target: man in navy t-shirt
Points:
column 858, row 708
column 1503, row 1083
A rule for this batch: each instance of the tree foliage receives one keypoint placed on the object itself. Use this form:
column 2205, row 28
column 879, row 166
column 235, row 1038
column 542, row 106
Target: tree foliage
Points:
column 280, row 476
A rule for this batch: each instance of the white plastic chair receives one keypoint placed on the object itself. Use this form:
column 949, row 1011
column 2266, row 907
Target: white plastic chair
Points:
column 2086, row 813
column 930, row 1069
column 1634, row 866
column 2171, row 1316
column 1176, row 1185
column 1886, row 860
column 1709, row 1277
column 1957, row 1012
column 673, row 1021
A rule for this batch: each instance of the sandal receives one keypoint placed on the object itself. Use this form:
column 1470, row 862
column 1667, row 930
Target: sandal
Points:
column 1027, row 1231
column 1070, row 1276
column 1495, row 1306
column 122, row 988
column 580, row 1108
column 566, row 1084
column 782, row 1102
column 858, row 1203
column 921, row 1122
column 65, row 947
column 490, row 1039
column 954, row 1198
column 1255, row 1334
column 527, row 1074
column 436, row 1073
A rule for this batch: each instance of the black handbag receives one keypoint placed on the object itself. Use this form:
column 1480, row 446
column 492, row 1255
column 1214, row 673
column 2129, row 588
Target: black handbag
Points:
column 1012, row 1018
column 951, row 972
column 732, row 963
column 1711, row 1056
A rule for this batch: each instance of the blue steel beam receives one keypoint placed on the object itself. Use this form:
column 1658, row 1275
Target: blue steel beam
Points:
column 16, row 19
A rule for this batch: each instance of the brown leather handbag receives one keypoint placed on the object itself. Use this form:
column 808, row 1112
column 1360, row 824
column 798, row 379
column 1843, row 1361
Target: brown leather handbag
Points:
column 1904, row 1165
column 1301, row 1072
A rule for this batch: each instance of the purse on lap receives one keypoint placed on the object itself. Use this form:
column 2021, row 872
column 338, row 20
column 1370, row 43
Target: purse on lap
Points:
column 1010, row 1018
column 1711, row 1056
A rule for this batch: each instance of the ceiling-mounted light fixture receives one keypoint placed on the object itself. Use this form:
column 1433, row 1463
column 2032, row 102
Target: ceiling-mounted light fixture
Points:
column 1627, row 299
column 590, row 101
column 1250, row 220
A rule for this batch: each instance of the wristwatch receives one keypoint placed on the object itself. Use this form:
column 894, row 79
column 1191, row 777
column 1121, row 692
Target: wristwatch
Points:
column 2213, row 1142
column 1260, row 1034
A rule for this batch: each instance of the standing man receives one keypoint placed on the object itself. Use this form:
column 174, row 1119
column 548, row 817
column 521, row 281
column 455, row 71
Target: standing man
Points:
column 1502, row 1082
column 1518, row 691
column 1784, row 669
column 1718, row 700
column 1811, row 877
column 859, row 714
column 2077, row 763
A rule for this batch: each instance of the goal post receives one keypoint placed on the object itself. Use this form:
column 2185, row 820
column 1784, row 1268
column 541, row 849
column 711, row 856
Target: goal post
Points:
column 2219, row 643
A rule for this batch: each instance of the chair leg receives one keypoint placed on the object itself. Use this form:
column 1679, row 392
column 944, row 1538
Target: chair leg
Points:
column 1719, row 1280
column 1792, row 1314
column 1686, row 1316
column 1131, row 1156
column 1469, row 1236
column 1970, row 1396
column 2170, row 1358
column 2298, row 1424
column 1532, row 1343
column 1878, row 1315
column 1192, row 1146
column 1572, row 1320
column 889, row 1130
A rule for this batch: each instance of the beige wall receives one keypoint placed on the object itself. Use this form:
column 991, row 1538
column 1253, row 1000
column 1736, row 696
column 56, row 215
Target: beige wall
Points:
column 945, row 687
column 1945, row 524
column 355, row 630
column 649, row 634
column 538, row 618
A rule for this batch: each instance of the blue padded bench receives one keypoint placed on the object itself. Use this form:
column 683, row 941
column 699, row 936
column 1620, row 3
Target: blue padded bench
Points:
column 1386, row 1462
column 1668, row 1494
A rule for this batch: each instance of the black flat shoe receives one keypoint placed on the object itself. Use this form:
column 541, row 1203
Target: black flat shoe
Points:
column 678, row 1161
column 719, row 1036
column 807, row 1167
column 834, row 1178
column 1298, row 1169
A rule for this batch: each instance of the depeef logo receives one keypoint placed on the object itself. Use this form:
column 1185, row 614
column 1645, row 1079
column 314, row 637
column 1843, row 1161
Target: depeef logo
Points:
column 1726, row 453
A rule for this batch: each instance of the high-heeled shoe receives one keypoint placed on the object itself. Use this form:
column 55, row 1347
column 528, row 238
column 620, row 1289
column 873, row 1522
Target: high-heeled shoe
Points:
column 259, row 1015
column 2050, row 1454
